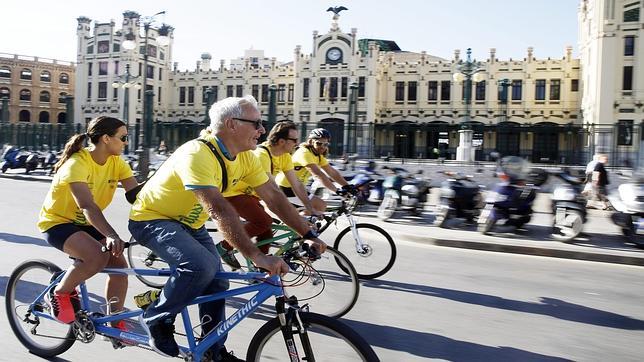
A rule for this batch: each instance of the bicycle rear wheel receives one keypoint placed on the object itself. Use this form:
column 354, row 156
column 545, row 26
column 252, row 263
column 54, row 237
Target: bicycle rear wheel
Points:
column 331, row 288
column 42, row 336
column 377, row 254
column 329, row 339
column 140, row 257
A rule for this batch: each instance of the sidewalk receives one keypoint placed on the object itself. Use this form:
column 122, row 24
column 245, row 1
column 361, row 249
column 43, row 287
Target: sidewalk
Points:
column 601, row 241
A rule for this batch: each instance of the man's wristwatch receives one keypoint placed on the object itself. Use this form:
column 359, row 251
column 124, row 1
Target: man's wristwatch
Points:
column 310, row 235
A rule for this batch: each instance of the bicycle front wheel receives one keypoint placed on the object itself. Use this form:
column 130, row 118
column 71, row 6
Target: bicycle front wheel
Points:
column 42, row 336
column 140, row 257
column 326, row 339
column 331, row 286
column 376, row 255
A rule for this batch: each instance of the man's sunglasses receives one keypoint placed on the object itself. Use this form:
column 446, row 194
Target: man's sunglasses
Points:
column 258, row 123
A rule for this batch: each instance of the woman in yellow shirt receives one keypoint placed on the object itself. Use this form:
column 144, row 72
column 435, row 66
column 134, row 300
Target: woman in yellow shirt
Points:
column 71, row 217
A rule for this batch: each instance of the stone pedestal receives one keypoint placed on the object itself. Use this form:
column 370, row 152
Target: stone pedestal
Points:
column 465, row 151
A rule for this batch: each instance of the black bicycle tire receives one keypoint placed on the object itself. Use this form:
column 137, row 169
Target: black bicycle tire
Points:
column 273, row 326
column 392, row 258
column 69, row 339
column 142, row 278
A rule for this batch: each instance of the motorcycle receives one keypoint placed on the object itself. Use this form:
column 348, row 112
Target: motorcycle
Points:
column 14, row 157
column 568, row 207
column 48, row 160
column 403, row 192
column 460, row 197
column 628, row 202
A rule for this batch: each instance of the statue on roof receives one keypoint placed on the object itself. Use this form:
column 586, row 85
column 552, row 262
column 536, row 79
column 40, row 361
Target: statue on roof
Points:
column 336, row 15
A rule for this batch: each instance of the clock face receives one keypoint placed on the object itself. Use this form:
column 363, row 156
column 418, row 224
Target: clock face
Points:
column 334, row 54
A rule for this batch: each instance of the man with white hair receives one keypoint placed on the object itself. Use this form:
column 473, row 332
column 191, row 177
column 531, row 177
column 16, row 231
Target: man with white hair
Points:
column 170, row 211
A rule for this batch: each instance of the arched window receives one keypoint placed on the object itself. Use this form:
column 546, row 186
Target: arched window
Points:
column 25, row 74
column 64, row 78
column 24, row 116
column 43, row 117
column 62, row 117
column 61, row 97
column 25, row 95
column 5, row 72
column 45, row 96
column 45, row 76
column 5, row 92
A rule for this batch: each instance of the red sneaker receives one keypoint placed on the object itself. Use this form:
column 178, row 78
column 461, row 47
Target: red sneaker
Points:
column 61, row 305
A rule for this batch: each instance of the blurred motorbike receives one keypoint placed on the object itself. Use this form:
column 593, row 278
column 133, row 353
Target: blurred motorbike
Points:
column 568, row 207
column 628, row 202
column 460, row 197
column 14, row 157
column 403, row 191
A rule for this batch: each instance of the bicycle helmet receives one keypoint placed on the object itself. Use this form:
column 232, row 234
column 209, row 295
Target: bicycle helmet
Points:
column 319, row 133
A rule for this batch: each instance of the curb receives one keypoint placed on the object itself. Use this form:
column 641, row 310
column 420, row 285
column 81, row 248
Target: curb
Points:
column 26, row 177
column 529, row 250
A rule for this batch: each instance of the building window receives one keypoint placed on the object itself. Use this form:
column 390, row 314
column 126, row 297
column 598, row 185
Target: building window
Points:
column 290, row 92
column 629, row 45
column 5, row 72
column 480, row 91
column 400, row 91
column 191, row 95
column 5, row 93
column 445, row 90
column 159, row 94
column 264, row 93
column 115, row 94
column 255, row 91
column 204, row 95
column 24, row 116
column 63, row 78
column 305, row 88
column 632, row 15
column 160, row 73
column 239, row 90
column 540, row 90
column 161, row 55
column 432, row 90
column 182, row 95
column 343, row 87
column 555, row 89
column 103, row 46
column 45, row 96
column 281, row 88
column 150, row 72
column 574, row 85
column 333, row 88
column 43, row 117
column 517, row 89
column 45, row 76
column 62, row 96
column 229, row 90
column 25, row 95
column 627, row 82
column 116, row 67
column 116, row 48
column 102, row 68
column 102, row 90
column 215, row 92
column 152, row 50
column 90, row 49
column 25, row 74
column 89, row 69
column 361, row 86
column 412, row 91
column 323, row 88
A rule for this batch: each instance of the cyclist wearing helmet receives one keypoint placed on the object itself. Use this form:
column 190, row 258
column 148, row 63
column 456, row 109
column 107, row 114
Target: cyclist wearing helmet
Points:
column 309, row 159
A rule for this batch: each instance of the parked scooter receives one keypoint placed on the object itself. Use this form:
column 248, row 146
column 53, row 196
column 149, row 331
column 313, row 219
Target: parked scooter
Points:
column 48, row 160
column 568, row 207
column 13, row 158
column 460, row 197
column 628, row 201
column 403, row 192
column 511, row 201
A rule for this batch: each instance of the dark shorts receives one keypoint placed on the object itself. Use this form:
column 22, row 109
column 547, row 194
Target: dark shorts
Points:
column 57, row 235
column 287, row 191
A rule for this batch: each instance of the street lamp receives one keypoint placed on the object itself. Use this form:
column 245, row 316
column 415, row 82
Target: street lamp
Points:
column 144, row 136
column 353, row 118
column 272, row 105
column 466, row 71
column 126, row 81
column 503, row 97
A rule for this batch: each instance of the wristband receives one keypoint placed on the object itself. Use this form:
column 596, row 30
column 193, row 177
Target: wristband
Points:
column 310, row 235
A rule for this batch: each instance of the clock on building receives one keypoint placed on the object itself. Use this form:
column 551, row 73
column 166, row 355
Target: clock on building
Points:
column 334, row 55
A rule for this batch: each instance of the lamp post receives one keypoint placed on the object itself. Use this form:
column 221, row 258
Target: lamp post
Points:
column 465, row 72
column 126, row 81
column 503, row 97
column 4, row 114
column 353, row 117
column 209, row 101
column 272, row 106
column 69, row 110
column 145, row 130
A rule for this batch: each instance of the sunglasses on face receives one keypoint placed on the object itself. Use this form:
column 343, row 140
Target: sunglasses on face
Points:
column 292, row 139
column 123, row 138
column 324, row 144
column 258, row 123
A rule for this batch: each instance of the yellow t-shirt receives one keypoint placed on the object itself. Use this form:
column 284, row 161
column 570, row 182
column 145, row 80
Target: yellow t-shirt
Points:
column 169, row 193
column 61, row 208
column 281, row 163
column 302, row 157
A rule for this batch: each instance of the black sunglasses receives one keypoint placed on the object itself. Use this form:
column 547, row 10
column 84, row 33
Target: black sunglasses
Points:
column 292, row 139
column 258, row 123
column 124, row 138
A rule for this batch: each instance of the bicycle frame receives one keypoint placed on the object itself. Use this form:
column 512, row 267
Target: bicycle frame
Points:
column 195, row 348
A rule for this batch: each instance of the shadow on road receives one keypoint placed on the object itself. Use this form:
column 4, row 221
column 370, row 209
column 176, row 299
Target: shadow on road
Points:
column 429, row 345
column 22, row 239
column 547, row 306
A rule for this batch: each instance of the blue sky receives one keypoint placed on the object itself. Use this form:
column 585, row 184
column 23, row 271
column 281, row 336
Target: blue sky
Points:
column 226, row 28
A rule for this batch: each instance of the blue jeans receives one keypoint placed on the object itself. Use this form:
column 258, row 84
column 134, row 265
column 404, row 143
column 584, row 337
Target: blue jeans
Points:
column 193, row 256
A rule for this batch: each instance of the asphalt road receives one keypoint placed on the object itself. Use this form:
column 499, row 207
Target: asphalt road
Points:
column 436, row 303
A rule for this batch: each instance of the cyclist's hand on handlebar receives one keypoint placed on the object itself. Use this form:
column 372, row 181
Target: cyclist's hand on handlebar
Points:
column 317, row 245
column 114, row 244
column 272, row 264
column 351, row 189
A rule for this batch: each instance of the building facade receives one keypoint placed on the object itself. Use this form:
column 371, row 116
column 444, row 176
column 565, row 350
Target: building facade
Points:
column 378, row 100
column 35, row 89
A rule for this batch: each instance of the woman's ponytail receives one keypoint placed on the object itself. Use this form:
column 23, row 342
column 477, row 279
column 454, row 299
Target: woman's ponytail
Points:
column 72, row 146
